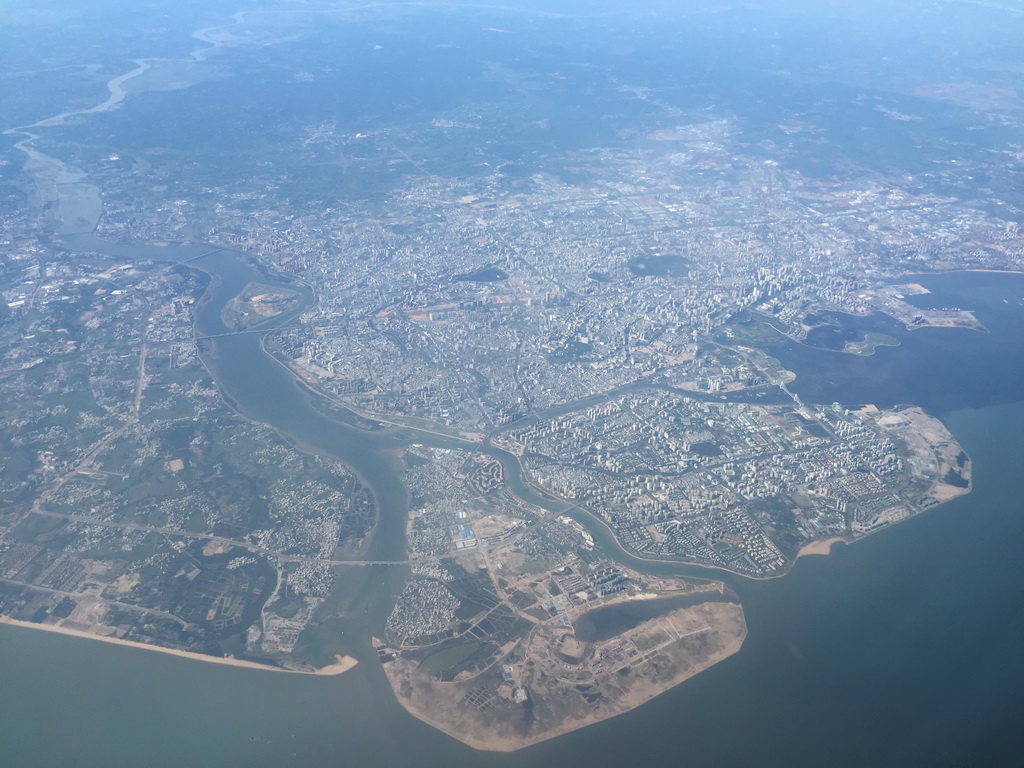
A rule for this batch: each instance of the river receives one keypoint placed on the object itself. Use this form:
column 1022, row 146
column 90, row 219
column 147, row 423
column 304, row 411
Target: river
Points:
column 902, row 648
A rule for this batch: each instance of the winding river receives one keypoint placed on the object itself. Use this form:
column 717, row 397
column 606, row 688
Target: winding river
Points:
column 907, row 643
column 259, row 387
column 903, row 649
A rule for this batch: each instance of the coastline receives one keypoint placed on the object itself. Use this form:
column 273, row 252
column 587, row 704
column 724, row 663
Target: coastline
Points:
column 820, row 547
column 992, row 271
column 424, row 699
column 342, row 664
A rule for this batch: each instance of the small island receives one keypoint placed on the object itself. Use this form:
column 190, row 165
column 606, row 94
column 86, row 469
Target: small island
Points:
column 257, row 303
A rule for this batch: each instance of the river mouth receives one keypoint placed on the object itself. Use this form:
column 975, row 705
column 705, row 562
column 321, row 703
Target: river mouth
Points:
column 911, row 637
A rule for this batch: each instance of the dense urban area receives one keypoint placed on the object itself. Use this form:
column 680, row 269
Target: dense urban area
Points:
column 575, row 359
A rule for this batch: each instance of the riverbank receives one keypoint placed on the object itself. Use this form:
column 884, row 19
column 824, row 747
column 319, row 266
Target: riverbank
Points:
column 341, row 665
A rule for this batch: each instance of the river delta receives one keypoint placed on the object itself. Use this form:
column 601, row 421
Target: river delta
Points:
column 431, row 397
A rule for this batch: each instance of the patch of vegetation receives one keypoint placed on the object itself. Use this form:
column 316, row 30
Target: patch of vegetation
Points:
column 955, row 479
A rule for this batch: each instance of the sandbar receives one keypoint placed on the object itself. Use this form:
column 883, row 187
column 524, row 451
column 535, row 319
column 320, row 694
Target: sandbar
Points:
column 819, row 547
column 342, row 663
